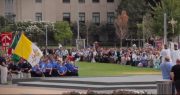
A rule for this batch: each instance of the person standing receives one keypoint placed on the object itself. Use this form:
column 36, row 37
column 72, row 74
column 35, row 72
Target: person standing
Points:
column 165, row 52
column 166, row 68
column 175, row 75
column 175, row 54
column 36, row 71
column 4, row 70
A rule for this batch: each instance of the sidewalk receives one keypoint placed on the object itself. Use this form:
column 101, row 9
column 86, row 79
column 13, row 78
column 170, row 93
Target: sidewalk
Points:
column 112, row 81
column 13, row 89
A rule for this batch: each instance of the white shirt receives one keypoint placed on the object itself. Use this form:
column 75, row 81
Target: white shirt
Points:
column 175, row 54
column 164, row 53
column 134, row 57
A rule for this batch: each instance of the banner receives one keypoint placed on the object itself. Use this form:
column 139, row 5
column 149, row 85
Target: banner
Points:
column 6, row 40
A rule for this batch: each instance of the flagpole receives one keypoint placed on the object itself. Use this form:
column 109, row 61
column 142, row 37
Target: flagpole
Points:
column 46, row 39
column 165, row 28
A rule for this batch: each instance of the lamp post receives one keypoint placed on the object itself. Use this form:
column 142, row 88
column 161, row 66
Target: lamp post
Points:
column 87, row 34
column 77, row 40
column 165, row 28
column 46, row 39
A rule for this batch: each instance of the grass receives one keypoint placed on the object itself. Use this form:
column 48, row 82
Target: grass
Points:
column 102, row 69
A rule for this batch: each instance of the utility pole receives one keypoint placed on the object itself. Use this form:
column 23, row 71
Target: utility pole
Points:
column 87, row 34
column 165, row 28
column 46, row 38
column 77, row 40
column 143, row 30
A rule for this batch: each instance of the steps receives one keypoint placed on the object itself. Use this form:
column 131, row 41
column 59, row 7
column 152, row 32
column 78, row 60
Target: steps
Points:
column 86, row 86
column 95, row 83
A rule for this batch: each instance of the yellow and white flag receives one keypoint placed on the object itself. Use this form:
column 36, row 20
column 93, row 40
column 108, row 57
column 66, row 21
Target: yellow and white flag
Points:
column 28, row 50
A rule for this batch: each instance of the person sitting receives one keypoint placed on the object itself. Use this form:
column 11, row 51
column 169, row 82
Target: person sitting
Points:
column 72, row 70
column 156, row 62
column 25, row 68
column 48, row 68
column 42, row 66
column 144, row 60
column 62, row 70
column 14, row 70
column 54, row 66
column 36, row 71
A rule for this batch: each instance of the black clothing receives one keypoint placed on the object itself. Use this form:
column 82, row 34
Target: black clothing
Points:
column 14, row 68
column 55, row 73
column 2, row 59
column 25, row 67
column 176, row 70
column 36, row 74
column 177, row 85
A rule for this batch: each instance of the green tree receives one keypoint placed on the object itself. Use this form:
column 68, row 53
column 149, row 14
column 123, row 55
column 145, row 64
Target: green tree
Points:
column 5, row 24
column 172, row 9
column 63, row 31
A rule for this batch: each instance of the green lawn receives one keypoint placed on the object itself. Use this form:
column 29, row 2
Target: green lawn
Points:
column 107, row 69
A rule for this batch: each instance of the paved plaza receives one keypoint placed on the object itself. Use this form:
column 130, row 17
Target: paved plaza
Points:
column 61, row 85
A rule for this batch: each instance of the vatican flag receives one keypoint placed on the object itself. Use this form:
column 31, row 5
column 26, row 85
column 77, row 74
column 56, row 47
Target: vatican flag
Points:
column 28, row 50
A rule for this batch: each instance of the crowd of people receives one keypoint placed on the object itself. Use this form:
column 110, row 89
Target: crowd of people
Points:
column 143, row 57
column 62, row 62
column 50, row 65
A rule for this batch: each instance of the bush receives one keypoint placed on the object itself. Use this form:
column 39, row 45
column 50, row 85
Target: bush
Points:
column 115, row 92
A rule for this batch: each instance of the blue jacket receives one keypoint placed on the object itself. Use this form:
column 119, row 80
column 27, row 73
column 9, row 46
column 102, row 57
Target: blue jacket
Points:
column 71, row 67
column 62, row 69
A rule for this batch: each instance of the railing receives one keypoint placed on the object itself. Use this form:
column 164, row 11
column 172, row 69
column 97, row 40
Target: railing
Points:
column 165, row 87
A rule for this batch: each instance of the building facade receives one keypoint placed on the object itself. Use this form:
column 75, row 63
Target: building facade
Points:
column 96, row 11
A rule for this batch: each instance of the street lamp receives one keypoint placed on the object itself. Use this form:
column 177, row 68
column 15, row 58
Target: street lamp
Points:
column 165, row 28
column 46, row 38
column 87, row 29
column 77, row 40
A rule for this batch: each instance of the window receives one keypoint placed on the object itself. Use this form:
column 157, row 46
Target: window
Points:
column 82, row 17
column 96, row 18
column 66, row 1
column 110, row 17
column 110, row 1
column 38, row 16
column 9, row 6
column 10, row 16
column 38, row 1
column 66, row 17
column 81, row 1
column 95, row 1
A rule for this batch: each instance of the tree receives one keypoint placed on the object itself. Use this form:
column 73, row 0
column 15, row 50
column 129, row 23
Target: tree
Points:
column 121, row 24
column 5, row 24
column 172, row 9
column 135, row 10
column 82, row 30
column 63, row 31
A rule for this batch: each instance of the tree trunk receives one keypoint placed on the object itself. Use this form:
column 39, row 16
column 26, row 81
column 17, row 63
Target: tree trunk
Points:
column 120, row 42
column 139, row 42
